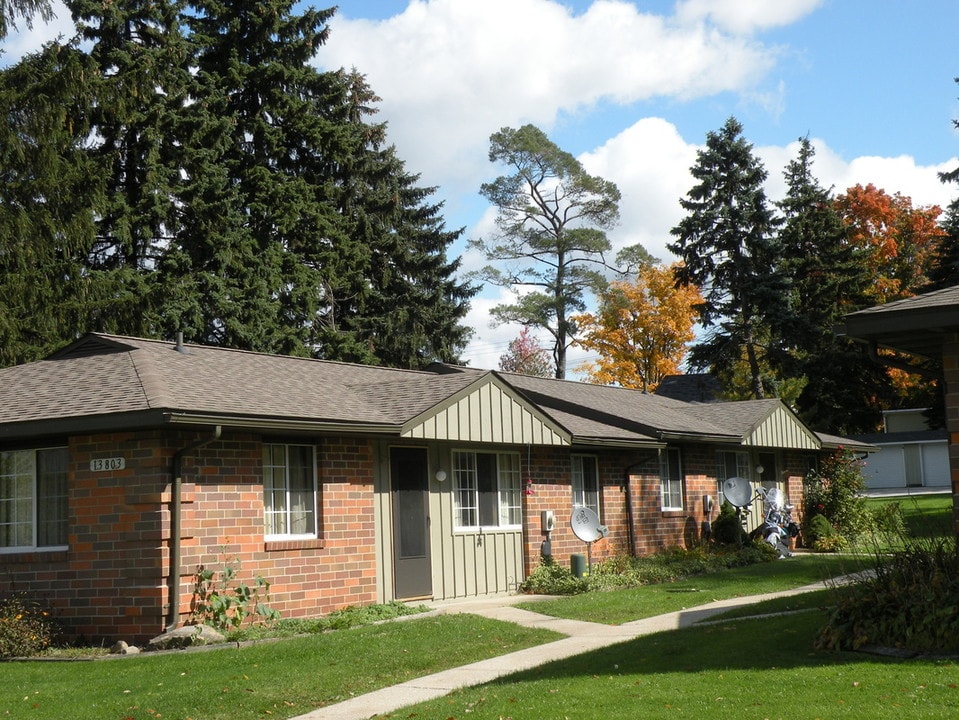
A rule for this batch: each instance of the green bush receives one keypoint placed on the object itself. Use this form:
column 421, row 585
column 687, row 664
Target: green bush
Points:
column 26, row 628
column 911, row 602
column 551, row 578
column 727, row 529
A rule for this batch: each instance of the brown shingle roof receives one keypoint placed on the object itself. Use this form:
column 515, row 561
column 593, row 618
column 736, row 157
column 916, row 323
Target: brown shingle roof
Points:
column 109, row 382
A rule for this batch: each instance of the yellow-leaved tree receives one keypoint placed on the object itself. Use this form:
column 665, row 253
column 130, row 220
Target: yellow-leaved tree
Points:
column 641, row 329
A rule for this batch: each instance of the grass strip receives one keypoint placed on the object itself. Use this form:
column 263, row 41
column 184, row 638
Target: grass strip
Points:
column 619, row 606
column 278, row 680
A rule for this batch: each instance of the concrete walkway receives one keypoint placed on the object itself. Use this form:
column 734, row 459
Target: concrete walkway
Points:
column 581, row 637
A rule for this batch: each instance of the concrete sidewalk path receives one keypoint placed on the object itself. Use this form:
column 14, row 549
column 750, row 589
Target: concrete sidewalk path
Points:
column 581, row 637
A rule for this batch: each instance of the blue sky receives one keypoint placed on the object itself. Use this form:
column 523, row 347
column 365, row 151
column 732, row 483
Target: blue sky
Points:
column 632, row 88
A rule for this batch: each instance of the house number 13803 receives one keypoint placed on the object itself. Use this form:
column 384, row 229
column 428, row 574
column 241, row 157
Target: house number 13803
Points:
column 105, row 464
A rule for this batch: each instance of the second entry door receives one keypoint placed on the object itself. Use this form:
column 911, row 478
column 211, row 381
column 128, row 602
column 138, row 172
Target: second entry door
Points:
column 409, row 486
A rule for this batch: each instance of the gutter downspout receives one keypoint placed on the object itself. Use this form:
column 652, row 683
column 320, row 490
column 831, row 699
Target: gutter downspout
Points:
column 175, row 525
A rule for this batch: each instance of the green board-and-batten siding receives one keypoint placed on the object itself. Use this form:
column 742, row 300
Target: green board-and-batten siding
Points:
column 490, row 413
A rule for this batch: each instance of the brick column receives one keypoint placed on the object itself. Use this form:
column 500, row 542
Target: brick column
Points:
column 950, row 365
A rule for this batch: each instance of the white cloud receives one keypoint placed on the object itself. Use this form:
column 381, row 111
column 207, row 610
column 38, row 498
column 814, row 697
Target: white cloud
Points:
column 452, row 72
column 649, row 162
column 745, row 16
column 26, row 40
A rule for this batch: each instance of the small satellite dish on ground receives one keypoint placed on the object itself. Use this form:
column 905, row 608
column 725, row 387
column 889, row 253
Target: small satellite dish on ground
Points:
column 586, row 525
column 738, row 491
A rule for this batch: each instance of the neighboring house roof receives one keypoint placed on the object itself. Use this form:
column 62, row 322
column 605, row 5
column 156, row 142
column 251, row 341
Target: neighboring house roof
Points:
column 914, row 325
column 908, row 437
column 690, row 387
column 107, row 382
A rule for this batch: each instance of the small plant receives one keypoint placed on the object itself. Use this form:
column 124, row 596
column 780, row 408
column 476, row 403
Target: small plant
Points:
column 26, row 629
column 224, row 602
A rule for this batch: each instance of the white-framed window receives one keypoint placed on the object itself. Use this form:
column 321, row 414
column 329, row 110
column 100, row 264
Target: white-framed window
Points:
column 585, row 482
column 730, row 464
column 486, row 490
column 671, row 479
column 289, row 490
column 33, row 499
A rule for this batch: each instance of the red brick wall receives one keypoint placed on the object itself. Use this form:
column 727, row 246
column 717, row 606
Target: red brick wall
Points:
column 112, row 581
column 654, row 528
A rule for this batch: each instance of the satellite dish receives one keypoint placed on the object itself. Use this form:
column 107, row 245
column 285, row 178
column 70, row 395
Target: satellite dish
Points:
column 738, row 491
column 586, row 525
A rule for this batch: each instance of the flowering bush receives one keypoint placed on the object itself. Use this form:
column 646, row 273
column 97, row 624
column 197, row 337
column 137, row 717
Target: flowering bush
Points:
column 835, row 491
column 26, row 629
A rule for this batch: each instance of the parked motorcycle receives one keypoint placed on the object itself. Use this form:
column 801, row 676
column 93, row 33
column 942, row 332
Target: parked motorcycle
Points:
column 778, row 524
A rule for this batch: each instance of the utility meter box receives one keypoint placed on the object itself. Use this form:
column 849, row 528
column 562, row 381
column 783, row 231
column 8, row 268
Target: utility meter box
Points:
column 547, row 521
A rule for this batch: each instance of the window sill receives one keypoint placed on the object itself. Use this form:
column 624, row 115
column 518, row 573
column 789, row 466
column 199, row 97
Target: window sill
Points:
column 485, row 529
column 293, row 544
column 674, row 512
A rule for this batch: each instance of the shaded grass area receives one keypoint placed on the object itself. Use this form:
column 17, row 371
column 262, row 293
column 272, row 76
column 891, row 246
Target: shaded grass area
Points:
column 924, row 516
column 618, row 606
column 278, row 680
column 738, row 669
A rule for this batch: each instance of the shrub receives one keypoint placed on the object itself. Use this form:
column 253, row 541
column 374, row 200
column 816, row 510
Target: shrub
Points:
column 887, row 518
column 727, row 529
column 551, row 578
column 835, row 491
column 911, row 602
column 26, row 629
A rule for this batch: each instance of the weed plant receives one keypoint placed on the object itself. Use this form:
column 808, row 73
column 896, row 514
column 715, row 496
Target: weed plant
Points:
column 26, row 627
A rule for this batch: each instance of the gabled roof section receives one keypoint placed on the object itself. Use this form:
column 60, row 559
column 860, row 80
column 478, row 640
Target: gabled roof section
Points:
column 762, row 423
column 488, row 410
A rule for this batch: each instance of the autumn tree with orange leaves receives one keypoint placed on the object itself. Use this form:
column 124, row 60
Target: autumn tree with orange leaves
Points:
column 640, row 331
column 902, row 240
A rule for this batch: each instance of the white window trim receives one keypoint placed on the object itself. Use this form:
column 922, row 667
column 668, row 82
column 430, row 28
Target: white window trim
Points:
column 281, row 537
column 33, row 547
column 502, row 494
column 743, row 469
column 578, row 476
column 665, row 480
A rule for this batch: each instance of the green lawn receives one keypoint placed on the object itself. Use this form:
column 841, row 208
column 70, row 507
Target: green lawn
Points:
column 738, row 669
column 619, row 606
column 277, row 680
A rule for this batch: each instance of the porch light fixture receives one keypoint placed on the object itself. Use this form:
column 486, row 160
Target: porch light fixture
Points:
column 440, row 476
column 759, row 469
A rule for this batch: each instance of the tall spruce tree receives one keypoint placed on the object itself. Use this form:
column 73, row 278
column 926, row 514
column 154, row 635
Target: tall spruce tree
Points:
column 841, row 387
column 140, row 87
column 48, row 188
column 233, row 192
column 730, row 250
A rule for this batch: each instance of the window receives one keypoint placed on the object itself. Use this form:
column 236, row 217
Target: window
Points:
column 671, row 480
column 33, row 499
column 289, row 490
column 486, row 490
column 731, row 464
column 585, row 481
